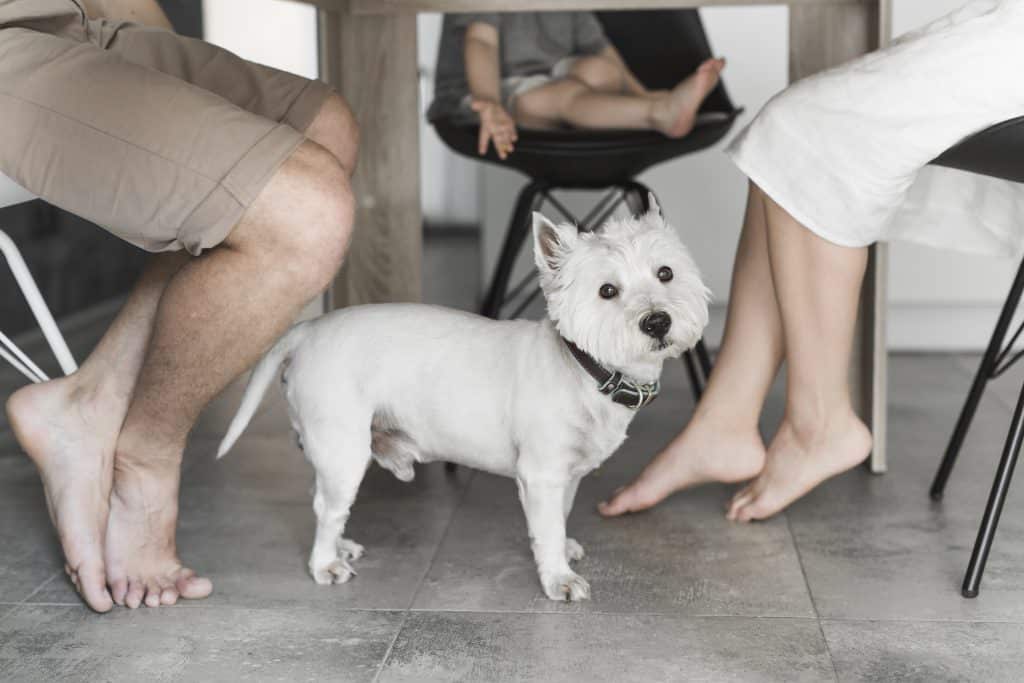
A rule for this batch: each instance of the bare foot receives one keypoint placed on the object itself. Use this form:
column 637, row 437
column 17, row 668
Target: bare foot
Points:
column 702, row 453
column 141, row 556
column 676, row 113
column 70, row 433
column 799, row 462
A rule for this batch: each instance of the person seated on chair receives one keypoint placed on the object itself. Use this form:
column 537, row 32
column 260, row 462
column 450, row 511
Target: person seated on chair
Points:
column 238, row 176
column 552, row 69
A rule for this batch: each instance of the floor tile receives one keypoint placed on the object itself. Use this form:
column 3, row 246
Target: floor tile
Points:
column 29, row 553
column 202, row 644
column 596, row 648
column 247, row 523
column 930, row 652
column 876, row 547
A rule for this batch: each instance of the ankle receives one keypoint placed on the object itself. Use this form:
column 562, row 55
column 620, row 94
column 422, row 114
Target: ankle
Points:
column 812, row 423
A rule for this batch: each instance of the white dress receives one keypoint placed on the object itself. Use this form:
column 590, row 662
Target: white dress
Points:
column 845, row 151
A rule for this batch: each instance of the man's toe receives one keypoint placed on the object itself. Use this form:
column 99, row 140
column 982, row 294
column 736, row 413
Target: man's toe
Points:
column 118, row 590
column 153, row 592
column 92, row 585
column 136, row 591
column 194, row 587
column 168, row 596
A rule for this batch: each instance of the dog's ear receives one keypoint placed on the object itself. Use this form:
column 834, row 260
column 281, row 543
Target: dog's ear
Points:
column 551, row 242
column 652, row 205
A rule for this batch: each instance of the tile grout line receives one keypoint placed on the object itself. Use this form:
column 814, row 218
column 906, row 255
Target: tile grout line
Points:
column 426, row 572
column 23, row 601
column 810, row 596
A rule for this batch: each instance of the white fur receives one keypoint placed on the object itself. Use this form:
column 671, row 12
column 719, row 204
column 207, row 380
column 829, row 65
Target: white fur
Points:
column 406, row 383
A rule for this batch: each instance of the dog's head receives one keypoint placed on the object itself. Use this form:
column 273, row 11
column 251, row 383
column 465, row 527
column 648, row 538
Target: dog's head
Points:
column 628, row 293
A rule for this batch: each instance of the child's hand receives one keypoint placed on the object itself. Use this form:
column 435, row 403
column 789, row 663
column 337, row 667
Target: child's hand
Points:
column 496, row 126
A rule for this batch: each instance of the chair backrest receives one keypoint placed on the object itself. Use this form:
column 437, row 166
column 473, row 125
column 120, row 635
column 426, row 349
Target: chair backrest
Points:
column 663, row 47
column 12, row 193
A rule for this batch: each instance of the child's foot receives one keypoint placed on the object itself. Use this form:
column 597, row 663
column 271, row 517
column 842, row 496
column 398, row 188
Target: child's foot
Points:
column 676, row 113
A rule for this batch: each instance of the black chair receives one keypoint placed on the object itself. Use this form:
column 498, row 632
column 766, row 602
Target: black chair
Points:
column 662, row 48
column 999, row 152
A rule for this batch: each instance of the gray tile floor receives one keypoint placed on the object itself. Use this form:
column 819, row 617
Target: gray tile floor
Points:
column 859, row 581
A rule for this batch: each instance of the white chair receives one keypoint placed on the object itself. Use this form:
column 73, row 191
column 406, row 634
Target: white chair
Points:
column 11, row 193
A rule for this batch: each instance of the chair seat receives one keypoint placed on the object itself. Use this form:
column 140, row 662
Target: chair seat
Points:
column 997, row 151
column 588, row 159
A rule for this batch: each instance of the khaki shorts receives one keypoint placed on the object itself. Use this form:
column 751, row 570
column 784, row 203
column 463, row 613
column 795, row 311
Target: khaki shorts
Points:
column 165, row 141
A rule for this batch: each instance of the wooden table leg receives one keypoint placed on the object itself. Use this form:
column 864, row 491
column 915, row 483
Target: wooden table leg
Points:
column 821, row 37
column 372, row 61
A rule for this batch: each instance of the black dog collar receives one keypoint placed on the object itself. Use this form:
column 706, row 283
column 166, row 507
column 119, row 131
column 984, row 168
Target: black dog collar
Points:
column 621, row 390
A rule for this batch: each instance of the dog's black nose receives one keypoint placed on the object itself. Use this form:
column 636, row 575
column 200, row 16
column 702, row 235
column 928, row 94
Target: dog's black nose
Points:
column 656, row 324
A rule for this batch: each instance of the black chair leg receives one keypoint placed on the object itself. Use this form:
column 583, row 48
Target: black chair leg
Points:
column 1004, row 474
column 705, row 360
column 985, row 370
column 691, row 369
column 518, row 232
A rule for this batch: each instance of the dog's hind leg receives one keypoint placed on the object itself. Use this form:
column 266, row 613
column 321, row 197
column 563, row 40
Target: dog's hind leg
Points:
column 340, row 455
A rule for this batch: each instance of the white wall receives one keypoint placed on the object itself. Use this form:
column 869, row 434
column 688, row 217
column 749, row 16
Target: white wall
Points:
column 703, row 195
column 277, row 33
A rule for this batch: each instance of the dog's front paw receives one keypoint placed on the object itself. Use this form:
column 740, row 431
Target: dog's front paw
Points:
column 573, row 550
column 337, row 571
column 569, row 587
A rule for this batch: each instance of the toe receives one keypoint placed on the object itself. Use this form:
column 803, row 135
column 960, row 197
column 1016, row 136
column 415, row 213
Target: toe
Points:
column 92, row 584
column 168, row 596
column 738, row 501
column 758, row 508
column 118, row 590
column 192, row 587
column 153, row 591
column 136, row 591
column 628, row 499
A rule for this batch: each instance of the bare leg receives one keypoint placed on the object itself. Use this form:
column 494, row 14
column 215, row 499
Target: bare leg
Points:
column 217, row 315
column 575, row 102
column 817, row 284
column 721, row 442
column 69, row 426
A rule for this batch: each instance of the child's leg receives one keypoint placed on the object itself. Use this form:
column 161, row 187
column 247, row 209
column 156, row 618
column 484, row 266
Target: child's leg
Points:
column 571, row 101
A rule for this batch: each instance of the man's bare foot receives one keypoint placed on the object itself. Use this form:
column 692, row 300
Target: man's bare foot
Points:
column 703, row 452
column 141, row 556
column 70, row 432
column 676, row 113
column 797, row 462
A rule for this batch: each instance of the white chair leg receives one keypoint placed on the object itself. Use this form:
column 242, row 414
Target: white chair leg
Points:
column 39, row 309
column 21, row 362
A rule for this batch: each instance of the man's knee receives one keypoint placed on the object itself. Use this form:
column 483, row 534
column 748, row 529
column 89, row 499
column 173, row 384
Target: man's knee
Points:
column 336, row 129
column 302, row 223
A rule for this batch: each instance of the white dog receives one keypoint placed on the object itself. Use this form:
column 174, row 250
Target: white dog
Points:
column 543, row 402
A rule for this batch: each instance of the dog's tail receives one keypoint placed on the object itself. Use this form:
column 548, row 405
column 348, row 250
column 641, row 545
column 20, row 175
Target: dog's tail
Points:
column 262, row 375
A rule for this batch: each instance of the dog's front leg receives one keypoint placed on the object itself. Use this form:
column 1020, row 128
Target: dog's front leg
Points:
column 544, row 505
column 573, row 550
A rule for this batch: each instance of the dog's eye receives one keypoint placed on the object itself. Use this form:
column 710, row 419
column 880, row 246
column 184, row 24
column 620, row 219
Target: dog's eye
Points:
column 665, row 274
column 609, row 291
